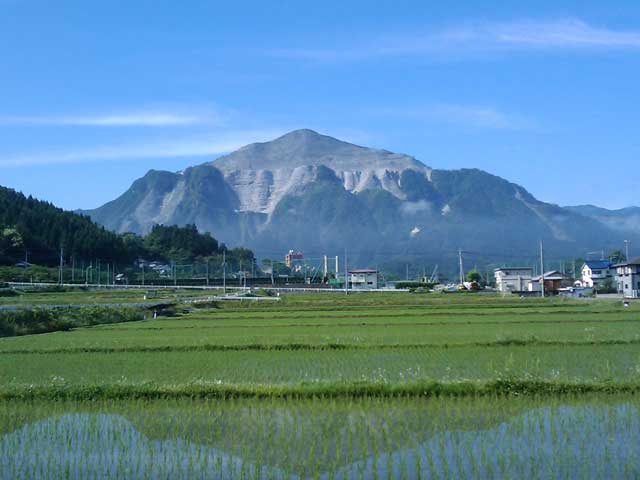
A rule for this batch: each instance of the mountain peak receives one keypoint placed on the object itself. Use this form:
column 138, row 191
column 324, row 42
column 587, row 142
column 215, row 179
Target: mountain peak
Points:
column 302, row 133
column 307, row 147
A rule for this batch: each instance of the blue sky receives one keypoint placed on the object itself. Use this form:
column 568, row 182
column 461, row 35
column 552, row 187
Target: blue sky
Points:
column 545, row 94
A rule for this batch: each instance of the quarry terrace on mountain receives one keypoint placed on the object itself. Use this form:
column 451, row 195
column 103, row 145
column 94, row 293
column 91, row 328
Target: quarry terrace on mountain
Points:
column 319, row 194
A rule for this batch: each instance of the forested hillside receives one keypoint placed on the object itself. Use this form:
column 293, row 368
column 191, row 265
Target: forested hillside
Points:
column 37, row 231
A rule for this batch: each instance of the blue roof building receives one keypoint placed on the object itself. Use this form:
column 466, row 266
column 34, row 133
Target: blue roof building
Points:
column 597, row 272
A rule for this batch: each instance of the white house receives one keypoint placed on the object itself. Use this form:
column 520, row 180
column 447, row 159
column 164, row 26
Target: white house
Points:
column 363, row 279
column 513, row 279
column 628, row 278
column 596, row 272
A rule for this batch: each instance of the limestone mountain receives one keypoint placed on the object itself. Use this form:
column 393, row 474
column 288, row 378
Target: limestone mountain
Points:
column 313, row 192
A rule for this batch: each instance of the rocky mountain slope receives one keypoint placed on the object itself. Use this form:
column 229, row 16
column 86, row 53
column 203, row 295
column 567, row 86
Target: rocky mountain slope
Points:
column 262, row 174
column 322, row 195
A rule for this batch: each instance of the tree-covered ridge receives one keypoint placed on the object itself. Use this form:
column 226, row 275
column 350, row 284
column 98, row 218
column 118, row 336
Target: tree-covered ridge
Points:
column 174, row 241
column 39, row 229
column 36, row 230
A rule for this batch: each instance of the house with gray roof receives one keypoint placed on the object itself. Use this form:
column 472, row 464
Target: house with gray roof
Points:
column 628, row 278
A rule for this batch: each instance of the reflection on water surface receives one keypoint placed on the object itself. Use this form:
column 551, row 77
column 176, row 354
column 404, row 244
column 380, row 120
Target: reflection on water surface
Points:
column 565, row 441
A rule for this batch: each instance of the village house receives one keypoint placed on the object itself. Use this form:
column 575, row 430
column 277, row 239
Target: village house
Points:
column 596, row 273
column 513, row 279
column 553, row 282
column 363, row 279
column 628, row 278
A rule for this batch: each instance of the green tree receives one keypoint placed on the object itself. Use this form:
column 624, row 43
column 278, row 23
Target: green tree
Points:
column 180, row 243
column 617, row 256
column 474, row 276
column 279, row 268
column 10, row 239
column 608, row 286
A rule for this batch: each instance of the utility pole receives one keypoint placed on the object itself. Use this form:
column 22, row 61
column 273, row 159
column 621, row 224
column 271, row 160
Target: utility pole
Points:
column 73, row 269
column 542, row 268
column 272, row 272
column 175, row 274
column 346, row 274
column 207, row 271
column 142, row 266
column 99, row 273
column 224, row 271
column 626, row 249
column 26, row 263
column 86, row 274
column 61, row 265
column 406, row 275
column 325, row 269
column 461, row 267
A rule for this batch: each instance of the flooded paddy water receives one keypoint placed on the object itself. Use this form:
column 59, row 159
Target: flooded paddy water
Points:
column 480, row 437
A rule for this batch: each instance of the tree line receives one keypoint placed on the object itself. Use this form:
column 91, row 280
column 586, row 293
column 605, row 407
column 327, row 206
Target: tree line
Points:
column 37, row 232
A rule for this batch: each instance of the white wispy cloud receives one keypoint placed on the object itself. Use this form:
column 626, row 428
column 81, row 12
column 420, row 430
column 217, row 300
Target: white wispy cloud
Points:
column 464, row 115
column 123, row 119
column 208, row 146
column 570, row 33
column 481, row 117
column 477, row 38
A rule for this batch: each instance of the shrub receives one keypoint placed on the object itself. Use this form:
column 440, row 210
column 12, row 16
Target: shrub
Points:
column 206, row 304
column 39, row 320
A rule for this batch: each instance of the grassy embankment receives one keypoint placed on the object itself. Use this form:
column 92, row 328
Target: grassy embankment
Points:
column 39, row 320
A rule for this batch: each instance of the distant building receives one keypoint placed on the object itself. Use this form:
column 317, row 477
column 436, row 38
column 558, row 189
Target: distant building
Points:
column 291, row 257
column 628, row 278
column 596, row 272
column 363, row 279
column 553, row 282
column 513, row 279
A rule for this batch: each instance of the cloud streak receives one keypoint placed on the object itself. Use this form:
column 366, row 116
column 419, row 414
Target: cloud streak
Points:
column 125, row 119
column 481, row 117
column 209, row 146
column 476, row 39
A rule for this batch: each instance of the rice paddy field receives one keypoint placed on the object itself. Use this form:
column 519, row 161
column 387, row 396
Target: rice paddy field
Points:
column 372, row 385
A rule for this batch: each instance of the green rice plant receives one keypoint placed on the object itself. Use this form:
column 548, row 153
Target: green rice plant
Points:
column 327, row 386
